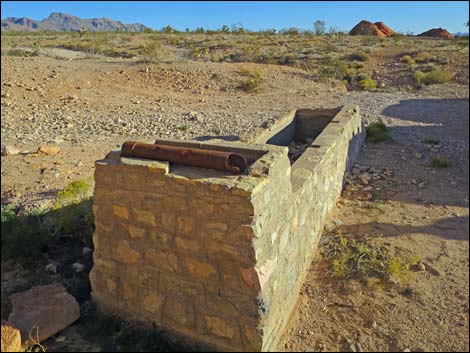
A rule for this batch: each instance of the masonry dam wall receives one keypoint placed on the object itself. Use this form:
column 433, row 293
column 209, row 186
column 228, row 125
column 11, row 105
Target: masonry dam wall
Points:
column 215, row 258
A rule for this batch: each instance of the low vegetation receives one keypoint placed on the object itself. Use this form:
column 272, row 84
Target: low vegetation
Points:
column 378, row 131
column 364, row 259
column 358, row 56
column 440, row 162
column 118, row 335
column 431, row 141
column 435, row 76
column 26, row 235
column 365, row 82
column 253, row 82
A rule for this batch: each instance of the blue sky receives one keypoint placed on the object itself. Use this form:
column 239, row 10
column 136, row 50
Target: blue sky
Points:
column 401, row 16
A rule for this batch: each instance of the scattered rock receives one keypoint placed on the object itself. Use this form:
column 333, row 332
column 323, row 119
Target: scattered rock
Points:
column 86, row 250
column 364, row 179
column 8, row 150
column 418, row 155
column 51, row 268
column 77, row 267
column 49, row 150
column 420, row 266
column 43, row 311
column 11, row 338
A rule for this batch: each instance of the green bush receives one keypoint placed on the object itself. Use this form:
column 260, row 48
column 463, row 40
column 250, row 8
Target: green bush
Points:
column 366, row 83
column 408, row 59
column 435, row 76
column 23, row 236
column 377, row 131
column 73, row 208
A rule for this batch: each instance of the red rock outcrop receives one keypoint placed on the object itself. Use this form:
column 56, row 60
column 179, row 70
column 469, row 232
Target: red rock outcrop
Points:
column 378, row 29
column 384, row 29
column 437, row 33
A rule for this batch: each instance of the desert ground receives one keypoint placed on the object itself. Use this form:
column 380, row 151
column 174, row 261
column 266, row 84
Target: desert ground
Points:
column 82, row 97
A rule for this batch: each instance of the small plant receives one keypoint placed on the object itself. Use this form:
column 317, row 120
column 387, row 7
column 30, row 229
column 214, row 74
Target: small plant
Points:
column 215, row 131
column 440, row 162
column 358, row 56
column 73, row 208
column 435, row 76
column 366, row 83
column 253, row 82
column 23, row 236
column 364, row 259
column 431, row 141
column 183, row 128
column 408, row 59
column 378, row 131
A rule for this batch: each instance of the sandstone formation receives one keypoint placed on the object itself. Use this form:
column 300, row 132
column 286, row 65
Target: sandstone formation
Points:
column 384, row 29
column 11, row 338
column 42, row 311
column 378, row 29
column 437, row 33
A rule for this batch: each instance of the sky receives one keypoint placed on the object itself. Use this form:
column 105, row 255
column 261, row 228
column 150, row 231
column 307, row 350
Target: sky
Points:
column 401, row 16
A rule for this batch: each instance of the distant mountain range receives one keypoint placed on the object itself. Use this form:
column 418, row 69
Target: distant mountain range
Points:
column 62, row 22
column 460, row 34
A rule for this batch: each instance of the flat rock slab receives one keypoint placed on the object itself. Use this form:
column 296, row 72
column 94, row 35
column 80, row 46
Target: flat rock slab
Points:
column 43, row 311
column 11, row 338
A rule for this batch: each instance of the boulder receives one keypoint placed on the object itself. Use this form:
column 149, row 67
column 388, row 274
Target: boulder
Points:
column 43, row 311
column 11, row 338
column 48, row 150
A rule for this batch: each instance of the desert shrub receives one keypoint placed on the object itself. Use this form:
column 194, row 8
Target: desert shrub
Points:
column 377, row 131
column 19, row 53
column 73, row 208
column 435, row 76
column 431, row 141
column 366, row 82
column 199, row 52
column 408, row 59
column 358, row 56
column 422, row 57
column 183, row 127
column 23, row 236
column 152, row 53
column 253, row 82
column 287, row 59
column 363, row 259
column 337, row 69
column 440, row 162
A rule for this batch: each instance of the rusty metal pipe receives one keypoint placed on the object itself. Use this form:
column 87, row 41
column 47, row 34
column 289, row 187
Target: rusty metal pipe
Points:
column 194, row 157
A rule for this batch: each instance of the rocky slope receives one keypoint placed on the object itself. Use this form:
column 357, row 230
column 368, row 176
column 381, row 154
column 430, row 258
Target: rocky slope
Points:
column 63, row 22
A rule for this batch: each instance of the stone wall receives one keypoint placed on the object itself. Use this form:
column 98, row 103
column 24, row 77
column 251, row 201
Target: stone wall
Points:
column 215, row 258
